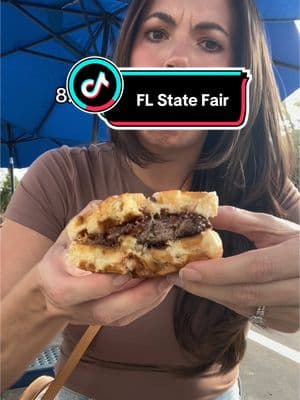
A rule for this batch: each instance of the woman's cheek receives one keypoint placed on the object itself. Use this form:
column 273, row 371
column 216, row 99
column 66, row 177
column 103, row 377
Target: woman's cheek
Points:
column 144, row 55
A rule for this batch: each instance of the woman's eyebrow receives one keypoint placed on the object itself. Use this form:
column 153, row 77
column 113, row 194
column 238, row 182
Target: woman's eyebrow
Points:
column 163, row 16
column 168, row 19
column 210, row 26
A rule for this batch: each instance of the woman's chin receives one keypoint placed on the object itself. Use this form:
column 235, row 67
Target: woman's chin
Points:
column 167, row 139
column 164, row 140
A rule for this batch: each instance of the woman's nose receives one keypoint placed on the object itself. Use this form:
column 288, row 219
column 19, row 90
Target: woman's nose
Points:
column 177, row 62
column 177, row 58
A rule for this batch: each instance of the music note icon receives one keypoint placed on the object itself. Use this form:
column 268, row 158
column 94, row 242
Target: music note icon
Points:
column 91, row 89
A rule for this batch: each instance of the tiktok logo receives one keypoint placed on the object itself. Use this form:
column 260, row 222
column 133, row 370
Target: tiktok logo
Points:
column 95, row 84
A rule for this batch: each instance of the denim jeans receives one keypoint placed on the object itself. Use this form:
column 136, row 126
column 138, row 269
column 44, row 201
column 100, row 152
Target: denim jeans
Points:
column 67, row 394
column 231, row 394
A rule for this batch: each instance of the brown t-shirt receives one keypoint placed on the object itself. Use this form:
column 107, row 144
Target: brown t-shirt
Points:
column 57, row 186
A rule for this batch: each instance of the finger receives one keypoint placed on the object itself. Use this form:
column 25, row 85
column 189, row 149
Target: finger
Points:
column 256, row 266
column 95, row 312
column 77, row 290
column 63, row 239
column 284, row 319
column 121, row 304
column 130, row 284
column 132, row 317
column 244, row 312
column 283, row 293
column 263, row 229
column 65, row 290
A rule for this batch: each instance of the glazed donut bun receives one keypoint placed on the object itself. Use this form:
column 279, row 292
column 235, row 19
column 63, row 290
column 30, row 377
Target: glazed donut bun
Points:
column 145, row 237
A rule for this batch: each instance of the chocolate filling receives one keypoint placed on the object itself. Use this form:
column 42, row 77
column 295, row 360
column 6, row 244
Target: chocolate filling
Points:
column 151, row 232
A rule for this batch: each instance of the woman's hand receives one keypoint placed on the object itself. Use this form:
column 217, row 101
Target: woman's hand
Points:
column 83, row 297
column 267, row 276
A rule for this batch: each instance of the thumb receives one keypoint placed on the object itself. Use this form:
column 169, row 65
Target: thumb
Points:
column 262, row 229
column 64, row 237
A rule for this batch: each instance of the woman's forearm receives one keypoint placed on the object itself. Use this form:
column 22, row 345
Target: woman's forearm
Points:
column 26, row 328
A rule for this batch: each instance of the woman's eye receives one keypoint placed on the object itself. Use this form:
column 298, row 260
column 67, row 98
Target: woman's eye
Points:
column 210, row 45
column 156, row 35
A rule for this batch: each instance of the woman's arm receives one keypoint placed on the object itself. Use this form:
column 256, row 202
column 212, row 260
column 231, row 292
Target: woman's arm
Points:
column 27, row 327
column 53, row 293
column 21, row 249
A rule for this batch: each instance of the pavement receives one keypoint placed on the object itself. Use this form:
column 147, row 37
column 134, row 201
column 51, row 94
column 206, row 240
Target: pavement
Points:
column 269, row 371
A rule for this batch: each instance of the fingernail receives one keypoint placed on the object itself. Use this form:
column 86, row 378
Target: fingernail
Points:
column 120, row 280
column 80, row 272
column 189, row 274
column 77, row 272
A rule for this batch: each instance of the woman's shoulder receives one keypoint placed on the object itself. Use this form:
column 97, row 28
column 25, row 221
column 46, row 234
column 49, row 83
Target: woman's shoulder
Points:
column 290, row 202
column 83, row 153
column 66, row 162
column 56, row 186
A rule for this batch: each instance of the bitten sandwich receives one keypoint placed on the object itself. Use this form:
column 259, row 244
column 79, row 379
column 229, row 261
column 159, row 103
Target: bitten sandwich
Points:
column 146, row 237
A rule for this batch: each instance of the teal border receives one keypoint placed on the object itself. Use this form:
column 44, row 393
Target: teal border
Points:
column 181, row 73
column 94, row 60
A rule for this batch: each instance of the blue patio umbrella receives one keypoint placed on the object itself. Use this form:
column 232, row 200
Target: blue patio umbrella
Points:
column 40, row 43
column 42, row 40
column 282, row 26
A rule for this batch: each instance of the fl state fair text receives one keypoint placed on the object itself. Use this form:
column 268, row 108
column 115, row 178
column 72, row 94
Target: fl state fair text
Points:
column 168, row 100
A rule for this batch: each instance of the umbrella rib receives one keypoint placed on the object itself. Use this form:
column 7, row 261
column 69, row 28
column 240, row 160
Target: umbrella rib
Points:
column 290, row 19
column 118, row 22
column 49, row 38
column 88, row 26
column 89, row 45
column 55, row 9
column 113, row 39
column 45, row 117
column 20, row 138
column 120, row 10
column 57, row 142
column 105, row 38
column 10, row 136
column 31, row 139
column 286, row 65
column 39, row 54
column 99, row 6
column 46, row 29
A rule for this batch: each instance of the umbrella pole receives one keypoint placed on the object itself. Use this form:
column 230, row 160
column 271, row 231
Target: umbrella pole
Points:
column 11, row 158
column 11, row 172
column 95, row 129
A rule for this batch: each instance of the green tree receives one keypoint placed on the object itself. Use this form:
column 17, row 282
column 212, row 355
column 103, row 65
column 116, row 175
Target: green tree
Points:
column 296, row 140
column 5, row 193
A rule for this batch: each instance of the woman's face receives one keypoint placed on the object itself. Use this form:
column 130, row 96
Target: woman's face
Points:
column 189, row 33
column 183, row 33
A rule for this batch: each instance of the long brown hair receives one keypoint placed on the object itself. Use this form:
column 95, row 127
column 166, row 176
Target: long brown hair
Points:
column 247, row 168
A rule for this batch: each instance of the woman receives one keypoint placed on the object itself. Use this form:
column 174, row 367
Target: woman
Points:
column 188, row 347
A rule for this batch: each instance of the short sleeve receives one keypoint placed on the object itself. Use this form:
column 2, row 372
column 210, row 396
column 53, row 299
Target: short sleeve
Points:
column 41, row 200
column 291, row 203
